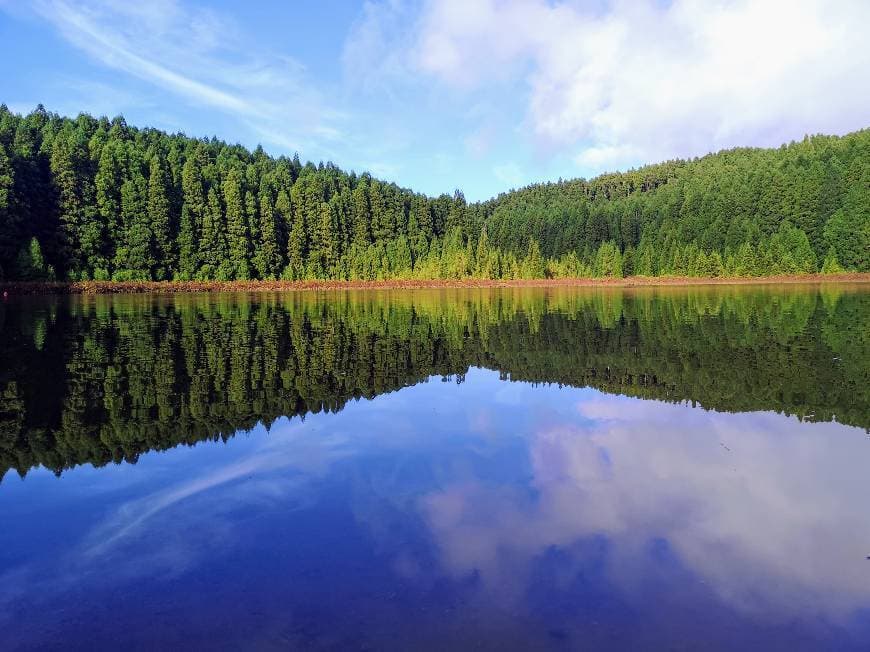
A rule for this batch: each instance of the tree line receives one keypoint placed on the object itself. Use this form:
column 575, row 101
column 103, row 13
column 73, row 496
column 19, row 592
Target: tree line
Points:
column 93, row 198
column 104, row 379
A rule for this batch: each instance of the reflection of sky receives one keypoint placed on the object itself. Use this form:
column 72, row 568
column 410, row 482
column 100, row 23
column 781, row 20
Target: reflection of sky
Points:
column 542, row 515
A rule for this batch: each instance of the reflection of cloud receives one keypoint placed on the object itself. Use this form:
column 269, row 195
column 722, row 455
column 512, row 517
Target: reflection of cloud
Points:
column 131, row 515
column 310, row 458
column 768, row 511
column 174, row 528
column 169, row 530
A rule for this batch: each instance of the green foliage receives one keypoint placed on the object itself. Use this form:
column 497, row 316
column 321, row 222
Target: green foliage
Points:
column 9, row 224
column 238, row 234
column 135, row 257
column 847, row 232
column 267, row 251
column 533, row 263
column 30, row 264
column 107, row 200
column 160, row 219
column 789, row 252
column 831, row 264
column 608, row 261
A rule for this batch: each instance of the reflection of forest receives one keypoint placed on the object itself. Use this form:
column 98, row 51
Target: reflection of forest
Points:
column 100, row 379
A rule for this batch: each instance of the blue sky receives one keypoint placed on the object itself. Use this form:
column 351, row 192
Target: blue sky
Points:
column 441, row 94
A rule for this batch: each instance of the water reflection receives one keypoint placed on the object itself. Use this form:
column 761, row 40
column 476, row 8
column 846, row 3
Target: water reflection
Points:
column 100, row 379
column 480, row 513
column 767, row 511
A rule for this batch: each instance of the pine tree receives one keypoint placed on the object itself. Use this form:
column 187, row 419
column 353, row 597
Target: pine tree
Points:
column 188, row 254
column 267, row 255
column 458, row 213
column 252, row 206
column 482, row 267
column 628, row 257
column 160, row 219
column 135, row 259
column 715, row 266
column 324, row 256
column 831, row 265
column 30, row 265
column 847, row 232
column 106, row 199
column 193, row 193
column 214, row 252
column 746, row 260
column 608, row 261
column 10, row 227
column 238, row 237
column 283, row 217
column 533, row 263
column 401, row 259
column 791, row 252
column 108, row 180
column 71, row 211
column 361, row 216
column 301, row 198
column 381, row 217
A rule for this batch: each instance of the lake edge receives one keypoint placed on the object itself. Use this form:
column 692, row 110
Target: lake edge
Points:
column 141, row 287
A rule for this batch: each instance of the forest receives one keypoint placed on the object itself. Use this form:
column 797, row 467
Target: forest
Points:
column 96, row 199
column 102, row 379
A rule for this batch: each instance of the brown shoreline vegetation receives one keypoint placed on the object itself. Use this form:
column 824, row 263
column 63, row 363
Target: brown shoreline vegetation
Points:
column 168, row 287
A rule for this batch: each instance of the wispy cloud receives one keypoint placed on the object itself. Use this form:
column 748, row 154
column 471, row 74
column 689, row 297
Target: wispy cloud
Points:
column 87, row 29
column 204, row 60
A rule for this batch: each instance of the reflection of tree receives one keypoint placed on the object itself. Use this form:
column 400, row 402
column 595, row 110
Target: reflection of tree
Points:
column 103, row 379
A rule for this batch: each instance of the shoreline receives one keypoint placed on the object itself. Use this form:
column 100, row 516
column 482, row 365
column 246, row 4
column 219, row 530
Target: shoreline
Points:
column 17, row 288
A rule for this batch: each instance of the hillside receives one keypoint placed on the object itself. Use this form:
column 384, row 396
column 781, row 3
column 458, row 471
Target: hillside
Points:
column 93, row 198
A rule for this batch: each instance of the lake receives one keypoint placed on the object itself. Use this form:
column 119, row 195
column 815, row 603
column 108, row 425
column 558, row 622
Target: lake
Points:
column 656, row 469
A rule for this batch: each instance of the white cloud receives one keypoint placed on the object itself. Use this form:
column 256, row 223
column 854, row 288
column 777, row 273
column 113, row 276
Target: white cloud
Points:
column 644, row 81
column 201, row 58
column 372, row 57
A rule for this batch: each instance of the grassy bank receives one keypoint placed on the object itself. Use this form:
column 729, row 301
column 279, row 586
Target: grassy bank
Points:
column 111, row 287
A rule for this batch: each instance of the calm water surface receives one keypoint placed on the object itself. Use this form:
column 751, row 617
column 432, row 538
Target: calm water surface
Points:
column 505, row 469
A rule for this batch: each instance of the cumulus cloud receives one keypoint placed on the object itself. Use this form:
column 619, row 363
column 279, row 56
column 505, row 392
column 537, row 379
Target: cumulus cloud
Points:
column 629, row 82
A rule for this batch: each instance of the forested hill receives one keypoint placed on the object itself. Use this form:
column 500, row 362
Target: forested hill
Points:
column 751, row 210
column 93, row 198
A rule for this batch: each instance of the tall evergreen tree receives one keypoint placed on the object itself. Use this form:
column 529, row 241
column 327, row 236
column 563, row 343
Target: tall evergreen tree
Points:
column 107, row 181
column 160, row 219
column 10, row 228
column 267, row 253
column 238, row 237
column 71, row 211
column 214, row 251
column 135, row 259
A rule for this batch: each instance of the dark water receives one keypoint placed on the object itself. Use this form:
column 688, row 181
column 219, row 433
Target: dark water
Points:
column 657, row 470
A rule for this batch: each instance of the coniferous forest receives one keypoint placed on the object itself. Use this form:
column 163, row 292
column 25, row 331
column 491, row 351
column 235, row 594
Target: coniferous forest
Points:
column 96, row 199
